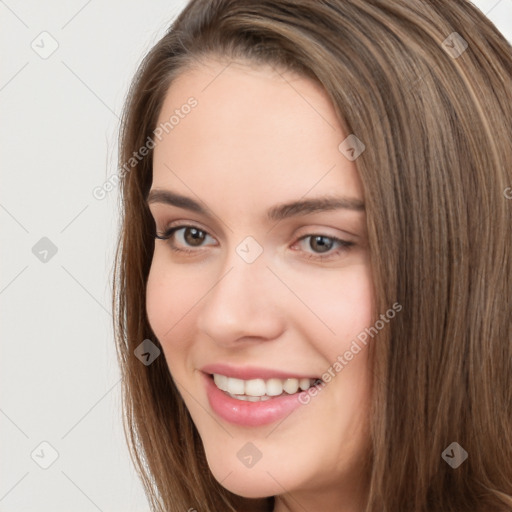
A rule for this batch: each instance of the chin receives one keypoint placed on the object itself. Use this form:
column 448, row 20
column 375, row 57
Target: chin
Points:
column 250, row 486
column 245, row 482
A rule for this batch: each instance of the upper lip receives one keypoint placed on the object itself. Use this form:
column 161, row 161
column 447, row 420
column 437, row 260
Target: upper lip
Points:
column 251, row 372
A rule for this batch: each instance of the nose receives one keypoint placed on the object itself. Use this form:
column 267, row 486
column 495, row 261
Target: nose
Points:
column 243, row 304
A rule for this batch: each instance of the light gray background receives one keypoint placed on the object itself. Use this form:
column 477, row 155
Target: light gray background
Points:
column 59, row 121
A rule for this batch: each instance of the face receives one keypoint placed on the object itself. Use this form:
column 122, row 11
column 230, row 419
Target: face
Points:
column 261, row 281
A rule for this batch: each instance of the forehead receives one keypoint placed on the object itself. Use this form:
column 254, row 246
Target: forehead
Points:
column 256, row 136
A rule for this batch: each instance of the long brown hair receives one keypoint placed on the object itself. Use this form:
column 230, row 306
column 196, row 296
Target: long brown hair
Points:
column 427, row 86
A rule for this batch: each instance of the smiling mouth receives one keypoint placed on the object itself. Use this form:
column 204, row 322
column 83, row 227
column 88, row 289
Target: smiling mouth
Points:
column 258, row 390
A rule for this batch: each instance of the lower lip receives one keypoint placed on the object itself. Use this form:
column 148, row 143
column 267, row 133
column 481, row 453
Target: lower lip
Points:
column 249, row 414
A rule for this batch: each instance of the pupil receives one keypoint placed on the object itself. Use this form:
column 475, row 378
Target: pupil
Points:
column 197, row 236
column 321, row 244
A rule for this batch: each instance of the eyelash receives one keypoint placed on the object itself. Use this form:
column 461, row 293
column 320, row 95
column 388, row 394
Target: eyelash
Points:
column 344, row 245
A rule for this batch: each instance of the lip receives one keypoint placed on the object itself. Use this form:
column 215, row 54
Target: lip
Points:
column 249, row 414
column 251, row 372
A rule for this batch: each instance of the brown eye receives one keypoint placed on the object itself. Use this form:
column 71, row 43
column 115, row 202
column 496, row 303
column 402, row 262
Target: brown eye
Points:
column 193, row 236
column 321, row 243
column 323, row 247
column 184, row 238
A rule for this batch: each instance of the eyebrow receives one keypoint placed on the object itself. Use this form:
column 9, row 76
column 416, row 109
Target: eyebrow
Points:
column 276, row 213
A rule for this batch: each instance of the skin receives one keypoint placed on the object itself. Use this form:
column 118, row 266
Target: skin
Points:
column 258, row 138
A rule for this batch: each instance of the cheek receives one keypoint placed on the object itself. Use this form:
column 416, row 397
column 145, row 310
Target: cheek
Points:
column 343, row 303
column 160, row 301
column 354, row 309
column 170, row 297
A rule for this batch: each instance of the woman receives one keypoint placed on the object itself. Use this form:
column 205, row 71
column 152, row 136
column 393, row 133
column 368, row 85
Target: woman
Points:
column 313, row 285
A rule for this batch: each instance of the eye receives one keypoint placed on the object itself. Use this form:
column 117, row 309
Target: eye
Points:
column 186, row 235
column 322, row 246
column 184, row 238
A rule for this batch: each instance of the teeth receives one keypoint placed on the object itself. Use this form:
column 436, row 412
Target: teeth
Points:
column 304, row 384
column 221, row 381
column 291, row 386
column 236, row 386
column 274, row 387
column 255, row 390
column 255, row 387
column 247, row 398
